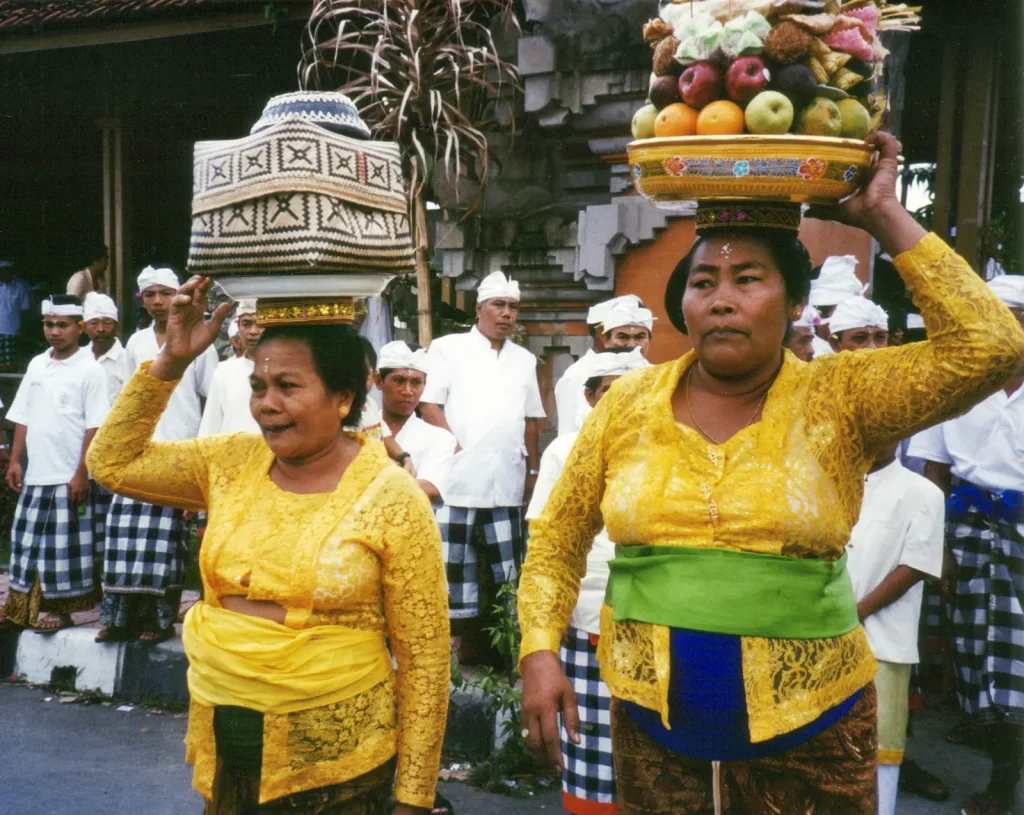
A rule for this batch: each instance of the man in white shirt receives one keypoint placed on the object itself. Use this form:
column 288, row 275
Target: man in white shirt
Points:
column 401, row 377
column 857, row 324
column 588, row 780
column 836, row 281
column 978, row 460
column 59, row 405
column 14, row 300
column 227, row 407
column 91, row 278
column 896, row 544
column 483, row 389
column 102, row 325
column 147, row 546
column 569, row 388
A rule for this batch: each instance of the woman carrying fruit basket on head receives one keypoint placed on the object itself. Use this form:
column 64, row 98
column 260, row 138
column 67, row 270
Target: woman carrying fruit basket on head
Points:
column 729, row 480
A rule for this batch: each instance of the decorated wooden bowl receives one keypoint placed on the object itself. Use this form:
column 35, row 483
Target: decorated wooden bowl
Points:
column 797, row 169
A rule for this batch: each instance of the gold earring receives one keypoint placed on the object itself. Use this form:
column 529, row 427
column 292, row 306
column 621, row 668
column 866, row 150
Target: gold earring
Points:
column 343, row 412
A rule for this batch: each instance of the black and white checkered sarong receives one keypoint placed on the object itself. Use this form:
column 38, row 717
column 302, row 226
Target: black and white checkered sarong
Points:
column 8, row 350
column 146, row 548
column 588, row 772
column 51, row 542
column 469, row 534
column 988, row 614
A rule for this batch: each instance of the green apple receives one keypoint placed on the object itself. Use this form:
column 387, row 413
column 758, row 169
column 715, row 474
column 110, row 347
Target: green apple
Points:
column 769, row 112
column 820, row 118
column 856, row 119
column 643, row 122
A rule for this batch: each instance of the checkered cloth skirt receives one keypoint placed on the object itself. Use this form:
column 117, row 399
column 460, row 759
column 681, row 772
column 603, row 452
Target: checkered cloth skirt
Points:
column 988, row 614
column 146, row 548
column 588, row 773
column 8, row 349
column 51, row 542
column 469, row 535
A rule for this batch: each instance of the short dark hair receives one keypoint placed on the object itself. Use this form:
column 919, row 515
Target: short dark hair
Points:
column 787, row 251
column 369, row 352
column 386, row 372
column 594, row 383
column 339, row 358
column 95, row 252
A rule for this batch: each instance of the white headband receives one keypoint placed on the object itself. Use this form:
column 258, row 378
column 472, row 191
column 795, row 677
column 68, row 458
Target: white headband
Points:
column 497, row 285
column 233, row 329
column 607, row 364
column 158, row 277
column 397, row 355
column 596, row 314
column 627, row 314
column 837, row 281
column 245, row 307
column 1009, row 289
column 98, row 305
column 857, row 312
column 51, row 309
column 809, row 318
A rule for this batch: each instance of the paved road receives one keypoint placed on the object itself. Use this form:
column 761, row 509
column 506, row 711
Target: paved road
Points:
column 92, row 760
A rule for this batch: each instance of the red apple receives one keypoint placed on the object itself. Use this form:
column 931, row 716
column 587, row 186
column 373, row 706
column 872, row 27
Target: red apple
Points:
column 700, row 84
column 745, row 79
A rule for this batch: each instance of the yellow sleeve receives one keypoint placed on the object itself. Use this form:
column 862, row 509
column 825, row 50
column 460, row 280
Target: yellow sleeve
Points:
column 562, row 535
column 124, row 458
column 974, row 345
column 416, row 608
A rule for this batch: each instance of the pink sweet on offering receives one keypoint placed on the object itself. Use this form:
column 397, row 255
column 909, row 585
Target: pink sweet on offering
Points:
column 867, row 14
column 850, row 41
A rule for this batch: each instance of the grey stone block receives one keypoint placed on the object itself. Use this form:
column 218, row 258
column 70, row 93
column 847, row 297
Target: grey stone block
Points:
column 154, row 672
column 470, row 730
column 536, row 55
column 8, row 649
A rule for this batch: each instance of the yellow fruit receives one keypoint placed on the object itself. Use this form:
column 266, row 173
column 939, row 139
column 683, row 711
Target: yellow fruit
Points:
column 721, row 118
column 677, row 119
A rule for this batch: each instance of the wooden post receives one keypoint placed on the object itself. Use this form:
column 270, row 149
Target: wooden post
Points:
column 421, row 235
column 946, row 148
column 113, row 213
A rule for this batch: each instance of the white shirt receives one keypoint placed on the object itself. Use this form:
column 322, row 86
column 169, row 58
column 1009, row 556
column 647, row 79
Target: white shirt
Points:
column 587, row 614
column 14, row 299
column 80, row 284
column 821, row 348
column 227, row 406
column 116, row 366
column 568, row 393
column 58, row 401
column 430, row 448
column 901, row 524
column 984, row 446
column 184, row 412
column 370, row 418
column 487, row 397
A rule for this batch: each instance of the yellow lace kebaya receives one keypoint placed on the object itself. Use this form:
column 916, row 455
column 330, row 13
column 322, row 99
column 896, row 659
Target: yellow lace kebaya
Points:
column 367, row 557
column 788, row 485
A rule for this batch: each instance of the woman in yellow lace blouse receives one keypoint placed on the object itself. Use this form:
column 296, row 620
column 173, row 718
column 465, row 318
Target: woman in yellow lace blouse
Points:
column 729, row 480
column 320, row 553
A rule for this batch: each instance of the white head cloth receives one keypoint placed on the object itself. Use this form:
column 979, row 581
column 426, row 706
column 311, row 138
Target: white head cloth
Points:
column 1010, row 289
column 608, row 364
column 98, row 305
column 51, row 309
column 233, row 329
column 837, row 281
column 397, row 355
column 810, row 317
column 914, row 321
column 497, row 285
column 245, row 307
column 857, row 312
column 158, row 277
column 627, row 314
column 596, row 314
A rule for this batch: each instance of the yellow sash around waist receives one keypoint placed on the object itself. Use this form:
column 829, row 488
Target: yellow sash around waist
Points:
column 235, row 659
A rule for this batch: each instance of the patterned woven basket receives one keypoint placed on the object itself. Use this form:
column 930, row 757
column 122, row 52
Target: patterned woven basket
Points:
column 797, row 169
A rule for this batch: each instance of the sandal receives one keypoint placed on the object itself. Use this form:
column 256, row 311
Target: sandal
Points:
column 983, row 804
column 918, row 781
column 111, row 633
column 149, row 638
column 51, row 625
column 442, row 806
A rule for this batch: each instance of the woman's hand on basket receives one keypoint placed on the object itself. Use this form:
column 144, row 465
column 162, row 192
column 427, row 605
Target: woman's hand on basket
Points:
column 189, row 333
column 546, row 692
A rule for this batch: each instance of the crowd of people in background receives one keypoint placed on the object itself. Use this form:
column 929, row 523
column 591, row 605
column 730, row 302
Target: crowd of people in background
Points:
column 938, row 520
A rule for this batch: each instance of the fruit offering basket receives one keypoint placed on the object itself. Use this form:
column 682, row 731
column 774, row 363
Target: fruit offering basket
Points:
column 763, row 98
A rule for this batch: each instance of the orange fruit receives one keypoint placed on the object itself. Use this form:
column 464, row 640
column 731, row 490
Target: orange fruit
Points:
column 677, row 119
column 721, row 118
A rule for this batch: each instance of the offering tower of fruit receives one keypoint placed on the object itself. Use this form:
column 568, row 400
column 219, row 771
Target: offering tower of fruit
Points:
column 769, row 67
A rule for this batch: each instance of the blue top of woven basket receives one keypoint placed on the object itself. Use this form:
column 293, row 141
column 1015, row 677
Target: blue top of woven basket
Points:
column 333, row 111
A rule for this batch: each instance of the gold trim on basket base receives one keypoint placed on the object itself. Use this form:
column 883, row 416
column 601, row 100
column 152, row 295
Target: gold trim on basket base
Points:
column 311, row 311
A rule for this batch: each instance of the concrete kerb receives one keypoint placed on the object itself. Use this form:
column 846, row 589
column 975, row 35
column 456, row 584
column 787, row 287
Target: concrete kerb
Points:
column 157, row 675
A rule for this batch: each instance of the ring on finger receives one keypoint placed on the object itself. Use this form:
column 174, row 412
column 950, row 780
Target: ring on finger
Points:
column 525, row 733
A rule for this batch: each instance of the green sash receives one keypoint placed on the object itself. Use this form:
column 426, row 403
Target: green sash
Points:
column 727, row 592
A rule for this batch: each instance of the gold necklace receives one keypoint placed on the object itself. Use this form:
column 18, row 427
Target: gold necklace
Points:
column 693, row 416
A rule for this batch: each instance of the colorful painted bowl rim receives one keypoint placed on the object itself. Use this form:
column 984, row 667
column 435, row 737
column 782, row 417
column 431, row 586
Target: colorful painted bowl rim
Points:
column 748, row 139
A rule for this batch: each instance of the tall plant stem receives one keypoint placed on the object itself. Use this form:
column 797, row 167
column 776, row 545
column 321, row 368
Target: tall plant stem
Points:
column 422, row 238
